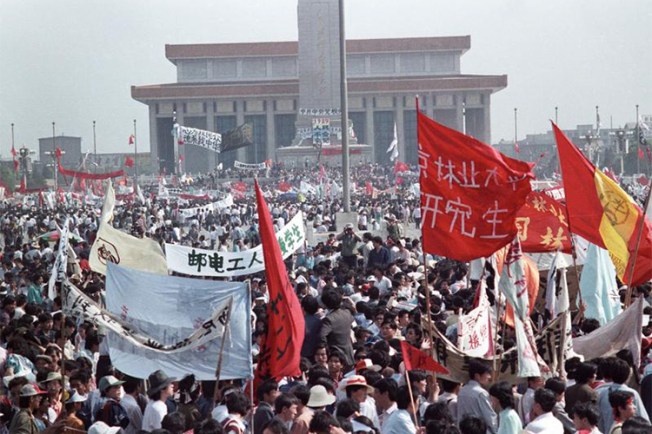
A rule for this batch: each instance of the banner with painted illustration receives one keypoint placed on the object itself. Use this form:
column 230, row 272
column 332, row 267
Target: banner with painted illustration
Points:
column 249, row 166
column 215, row 206
column 114, row 246
column 78, row 304
column 235, row 138
column 321, row 131
column 170, row 308
column 210, row 263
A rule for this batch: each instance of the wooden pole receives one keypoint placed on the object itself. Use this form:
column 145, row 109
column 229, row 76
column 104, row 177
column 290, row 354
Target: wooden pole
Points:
column 409, row 385
column 220, row 357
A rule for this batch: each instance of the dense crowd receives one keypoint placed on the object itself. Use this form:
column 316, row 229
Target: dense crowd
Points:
column 362, row 289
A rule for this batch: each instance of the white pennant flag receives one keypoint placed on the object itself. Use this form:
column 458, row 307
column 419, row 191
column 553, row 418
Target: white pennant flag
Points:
column 61, row 261
column 393, row 147
column 474, row 329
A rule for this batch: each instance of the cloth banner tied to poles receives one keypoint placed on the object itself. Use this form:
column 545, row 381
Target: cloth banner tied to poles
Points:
column 249, row 166
column 77, row 303
column 202, row 262
column 169, row 309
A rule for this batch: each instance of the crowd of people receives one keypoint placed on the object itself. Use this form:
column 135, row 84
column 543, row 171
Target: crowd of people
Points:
column 362, row 290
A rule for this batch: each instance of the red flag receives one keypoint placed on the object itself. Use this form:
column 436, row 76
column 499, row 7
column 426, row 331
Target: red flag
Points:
column 58, row 153
column 369, row 189
column 132, row 139
column 400, row 166
column 13, row 151
column 281, row 351
column 284, row 186
column 517, row 148
column 15, row 166
column 322, row 172
column 542, row 225
column 22, row 187
column 414, row 358
column 604, row 214
column 129, row 162
column 470, row 193
column 641, row 154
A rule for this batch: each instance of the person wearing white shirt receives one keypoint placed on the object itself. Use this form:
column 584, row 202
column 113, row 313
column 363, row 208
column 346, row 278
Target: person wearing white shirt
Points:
column 544, row 421
column 159, row 391
column 401, row 421
column 385, row 391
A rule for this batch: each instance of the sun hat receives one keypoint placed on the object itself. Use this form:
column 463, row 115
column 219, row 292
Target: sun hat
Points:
column 355, row 380
column 30, row 390
column 319, row 397
column 102, row 428
column 53, row 376
column 75, row 397
column 158, row 380
column 366, row 364
column 109, row 381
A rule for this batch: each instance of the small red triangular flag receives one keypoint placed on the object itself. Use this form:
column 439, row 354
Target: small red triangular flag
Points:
column 414, row 358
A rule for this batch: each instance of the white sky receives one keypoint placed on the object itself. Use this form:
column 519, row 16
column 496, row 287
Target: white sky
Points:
column 74, row 61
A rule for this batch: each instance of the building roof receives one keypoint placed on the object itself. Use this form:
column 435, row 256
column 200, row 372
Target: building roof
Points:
column 291, row 87
column 291, row 48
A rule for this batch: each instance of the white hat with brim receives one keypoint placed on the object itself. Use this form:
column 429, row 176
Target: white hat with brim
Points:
column 319, row 397
column 76, row 397
column 355, row 380
column 102, row 428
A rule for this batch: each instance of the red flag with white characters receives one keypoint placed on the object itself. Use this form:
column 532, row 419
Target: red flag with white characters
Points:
column 470, row 193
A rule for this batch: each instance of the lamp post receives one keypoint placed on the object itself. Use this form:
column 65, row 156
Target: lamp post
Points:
column 54, row 157
column 94, row 147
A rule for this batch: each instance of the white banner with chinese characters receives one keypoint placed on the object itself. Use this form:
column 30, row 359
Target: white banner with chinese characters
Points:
column 201, row 262
column 321, row 131
column 215, row 206
column 194, row 136
column 249, row 166
column 474, row 329
column 169, row 309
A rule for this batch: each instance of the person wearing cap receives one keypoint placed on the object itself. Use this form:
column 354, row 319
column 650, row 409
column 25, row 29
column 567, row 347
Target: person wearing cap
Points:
column 160, row 389
column 54, row 385
column 72, row 423
column 349, row 241
column 358, row 390
column 24, row 421
column 112, row 412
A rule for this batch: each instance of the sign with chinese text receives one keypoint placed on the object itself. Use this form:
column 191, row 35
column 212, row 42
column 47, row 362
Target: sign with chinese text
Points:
column 202, row 262
column 542, row 225
column 321, row 131
column 470, row 193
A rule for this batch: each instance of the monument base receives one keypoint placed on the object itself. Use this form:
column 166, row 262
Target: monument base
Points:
column 304, row 156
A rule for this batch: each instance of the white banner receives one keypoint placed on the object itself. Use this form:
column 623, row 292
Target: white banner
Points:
column 249, row 166
column 76, row 303
column 60, row 262
column 210, row 263
column 169, row 308
column 215, row 206
column 474, row 329
column 112, row 245
column 194, row 136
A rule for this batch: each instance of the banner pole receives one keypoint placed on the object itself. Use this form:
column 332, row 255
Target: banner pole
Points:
column 220, row 357
column 630, row 287
column 409, row 385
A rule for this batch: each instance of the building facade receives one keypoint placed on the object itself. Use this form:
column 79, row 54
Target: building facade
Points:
column 71, row 147
column 220, row 86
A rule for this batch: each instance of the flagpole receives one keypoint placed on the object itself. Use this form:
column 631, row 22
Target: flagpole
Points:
column 638, row 145
column 220, row 358
column 630, row 287
column 135, row 156
column 556, row 113
column 409, row 385
column 94, row 149
column 12, row 138
column 515, row 127
column 346, row 192
column 425, row 262
column 55, row 162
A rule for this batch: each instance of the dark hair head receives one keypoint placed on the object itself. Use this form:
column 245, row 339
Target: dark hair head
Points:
column 174, row 422
column 555, row 384
column 439, row 411
column 545, row 398
column 472, row 425
column 265, row 388
column 620, row 371
column 636, row 425
column 238, row 403
column 589, row 324
column 302, row 393
column 619, row 398
column 321, row 422
column 502, row 391
column 347, row 407
column 403, row 399
column 478, row 367
column 388, row 386
column 588, row 411
column 208, row 426
column 275, row 426
column 448, row 385
column 331, row 298
column 284, row 400
column 585, row 372
column 310, row 304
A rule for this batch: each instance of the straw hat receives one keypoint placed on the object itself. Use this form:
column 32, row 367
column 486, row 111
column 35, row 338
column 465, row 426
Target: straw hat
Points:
column 319, row 397
column 355, row 380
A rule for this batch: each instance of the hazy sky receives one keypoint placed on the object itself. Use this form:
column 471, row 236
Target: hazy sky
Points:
column 74, row 61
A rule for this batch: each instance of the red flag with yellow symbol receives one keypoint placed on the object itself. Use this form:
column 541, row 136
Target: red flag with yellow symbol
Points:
column 604, row 214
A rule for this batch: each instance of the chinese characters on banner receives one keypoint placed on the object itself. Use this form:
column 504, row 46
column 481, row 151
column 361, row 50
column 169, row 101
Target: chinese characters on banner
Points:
column 474, row 329
column 194, row 136
column 321, row 131
column 202, row 262
column 470, row 193
column 542, row 225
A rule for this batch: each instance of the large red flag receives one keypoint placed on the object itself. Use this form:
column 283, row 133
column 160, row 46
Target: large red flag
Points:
column 281, row 351
column 470, row 193
column 600, row 211
column 413, row 358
